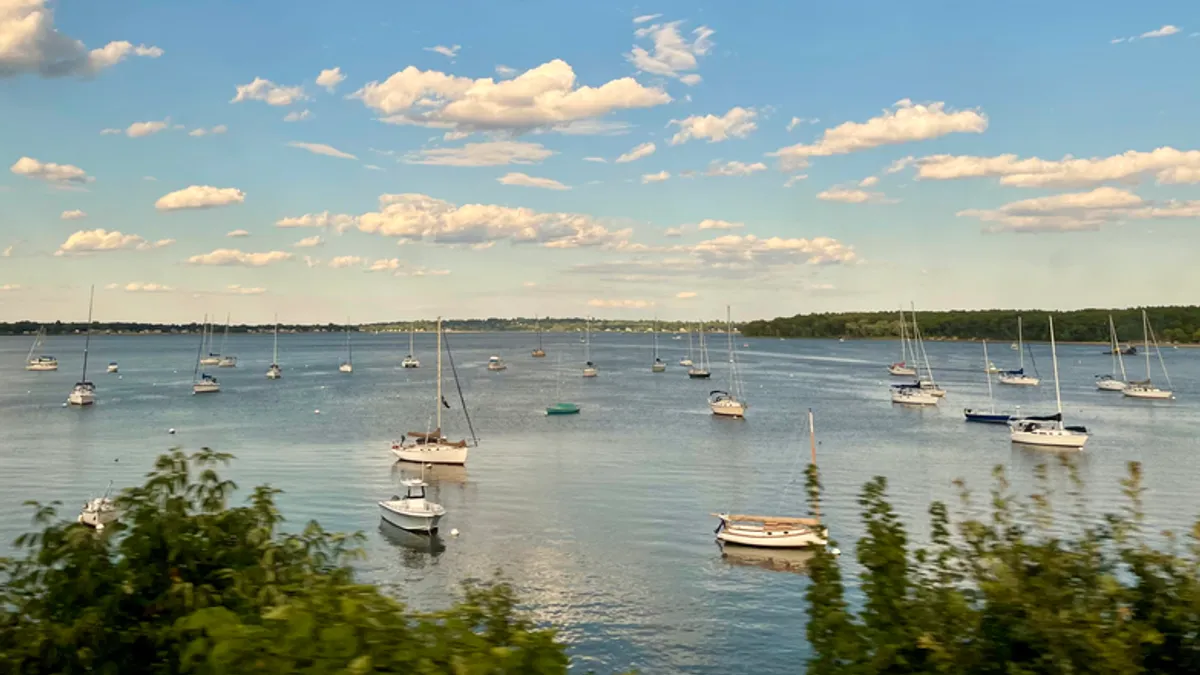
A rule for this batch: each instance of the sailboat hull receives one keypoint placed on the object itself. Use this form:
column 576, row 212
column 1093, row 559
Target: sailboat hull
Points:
column 913, row 397
column 42, row 367
column 431, row 454
column 1019, row 380
column 81, row 398
column 658, row 368
column 210, row 361
column 1050, row 438
column 901, row 371
column 345, row 368
column 206, row 388
column 1110, row 384
column 1153, row 393
column 986, row 417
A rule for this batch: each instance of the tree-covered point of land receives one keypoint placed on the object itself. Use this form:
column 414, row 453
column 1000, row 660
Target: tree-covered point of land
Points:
column 1033, row 587
column 1170, row 324
column 186, row 583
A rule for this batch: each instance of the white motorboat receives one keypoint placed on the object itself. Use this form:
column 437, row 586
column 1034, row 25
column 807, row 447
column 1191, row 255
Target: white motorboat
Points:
column 1145, row 388
column 113, row 367
column 84, row 392
column 411, row 361
column 274, row 372
column 1110, row 382
column 912, row 394
column 589, row 368
column 1049, row 431
column 41, row 363
column 495, row 364
column 432, row 447
column 731, row 403
column 901, row 367
column 347, row 366
column 1018, row 377
column 99, row 512
column 412, row 512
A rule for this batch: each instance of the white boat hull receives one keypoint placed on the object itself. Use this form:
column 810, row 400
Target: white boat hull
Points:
column 112, row 369
column 227, row 363
column 1148, row 392
column 913, row 397
column 97, row 520
column 1019, row 380
column 902, row 371
column 345, row 368
column 687, row 363
column 1110, row 385
column 431, row 454
column 81, row 398
column 658, row 368
column 411, row 364
column 206, row 388
column 494, row 368
column 274, row 374
column 728, row 408
column 419, row 521
column 1050, row 438
column 41, row 367
column 210, row 361
column 589, row 372
column 759, row 538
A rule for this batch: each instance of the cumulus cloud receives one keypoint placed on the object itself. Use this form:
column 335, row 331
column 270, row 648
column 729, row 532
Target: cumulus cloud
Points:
column 5, row 288
column 142, row 129
column 141, row 287
column 268, row 92
column 336, row 221
column 792, row 180
column 655, row 177
column 1167, row 164
column 672, row 55
column 343, row 261
column 232, row 256
column 321, row 149
column 711, row 224
column 905, row 122
column 93, row 241
column 869, row 181
column 199, row 197
column 646, row 18
column 852, row 196
column 643, row 150
column 237, row 233
column 74, row 214
column 309, row 242
column 1078, row 211
column 59, row 174
column 674, row 231
column 412, row 217
column 546, row 96
column 737, row 123
column 517, row 178
column 734, row 168
column 330, row 79
column 619, row 304
column 685, row 295
column 490, row 153
column 448, row 52
column 598, row 160
column 213, row 131
column 238, row 289
column 1160, row 32
column 297, row 116
column 505, row 71
column 30, row 44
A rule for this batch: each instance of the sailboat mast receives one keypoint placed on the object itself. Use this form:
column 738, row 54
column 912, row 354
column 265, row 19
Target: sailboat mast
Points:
column 199, row 350
column 729, row 341
column 1146, row 341
column 412, row 329
column 812, row 442
column 1021, row 343
column 1054, row 356
column 88, row 336
column 655, row 331
column 987, row 374
column 225, row 337
column 538, row 323
column 1120, row 358
column 587, row 340
column 275, row 346
column 438, row 402
column 903, row 338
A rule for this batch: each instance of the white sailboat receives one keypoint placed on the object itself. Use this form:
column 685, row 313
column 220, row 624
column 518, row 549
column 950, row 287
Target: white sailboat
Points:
column 1018, row 377
column 412, row 512
column 347, row 366
column 1049, row 431
column 539, row 352
column 927, row 383
column 902, row 368
column 274, row 372
column 42, row 362
column 99, row 512
column 687, row 362
column 84, row 392
column 432, row 447
column 227, row 360
column 1145, row 388
column 203, row 383
column 1109, row 382
column 589, row 368
column 731, row 403
column 703, row 370
column 411, row 361
column 212, row 359
column 658, row 366
column 496, row 364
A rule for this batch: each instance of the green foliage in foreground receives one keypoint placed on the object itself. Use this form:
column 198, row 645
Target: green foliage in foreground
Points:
column 186, row 584
column 1010, row 594
column 1171, row 324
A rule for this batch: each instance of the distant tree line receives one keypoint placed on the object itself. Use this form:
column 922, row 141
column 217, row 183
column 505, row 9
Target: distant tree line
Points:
column 1170, row 324
column 492, row 325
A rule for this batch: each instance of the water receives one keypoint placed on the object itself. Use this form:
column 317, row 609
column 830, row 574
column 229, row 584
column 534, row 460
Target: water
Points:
column 600, row 519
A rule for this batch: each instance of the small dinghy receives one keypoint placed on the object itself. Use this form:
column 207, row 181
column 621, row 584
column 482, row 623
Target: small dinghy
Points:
column 99, row 512
column 412, row 512
column 113, row 367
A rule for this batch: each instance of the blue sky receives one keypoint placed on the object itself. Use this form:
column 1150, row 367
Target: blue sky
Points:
column 805, row 158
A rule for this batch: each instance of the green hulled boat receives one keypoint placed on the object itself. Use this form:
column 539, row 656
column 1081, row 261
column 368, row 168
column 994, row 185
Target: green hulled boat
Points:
column 562, row 409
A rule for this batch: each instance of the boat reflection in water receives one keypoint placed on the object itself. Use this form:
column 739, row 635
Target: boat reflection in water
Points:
column 794, row 560
column 435, row 474
column 417, row 551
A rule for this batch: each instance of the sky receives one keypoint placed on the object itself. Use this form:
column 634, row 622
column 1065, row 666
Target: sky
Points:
column 376, row 161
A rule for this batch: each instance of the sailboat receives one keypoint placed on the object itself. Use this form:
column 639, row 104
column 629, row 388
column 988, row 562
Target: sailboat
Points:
column 43, row 362
column 347, row 365
column 775, row 531
column 227, row 361
column 1048, row 430
column 411, row 361
column 1145, row 388
column 496, row 364
column 562, row 407
column 658, row 366
column 927, row 384
column 901, row 367
column 589, row 368
column 1109, row 382
column 84, row 392
column 539, row 352
column 1018, row 377
column 990, row 416
column 275, row 372
column 687, row 362
column 701, row 372
column 212, row 359
column 99, row 512
column 431, row 447
column 731, row 403
column 203, row 383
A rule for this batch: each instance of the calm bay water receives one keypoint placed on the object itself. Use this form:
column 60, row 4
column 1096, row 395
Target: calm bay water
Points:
column 602, row 519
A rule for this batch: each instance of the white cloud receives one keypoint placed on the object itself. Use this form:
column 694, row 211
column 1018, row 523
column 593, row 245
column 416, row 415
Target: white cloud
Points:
column 904, row 123
column 140, row 129
column 309, row 242
column 673, row 55
column 421, row 272
column 734, row 168
column 685, row 295
column 620, row 304
column 1078, row 211
column 346, row 261
column 91, row 241
column 199, row 197
column 710, row 224
column 237, row 233
column 372, row 167
column 232, row 256
column 321, row 149
column 674, row 231
column 337, row 221
column 330, row 79
column 455, row 135
column 598, row 160
column 238, row 289
column 5, row 288
column 297, row 116
column 505, row 71
column 655, row 177
column 797, row 121
column 411, row 217
column 643, row 150
column 851, row 196
column 546, row 96
column 109, row 132
column 869, row 181
column 1160, row 32
column 646, row 17
column 1167, row 164
column 384, row 265
column 269, row 92
column 74, row 214
column 141, row 287
column 1117, row 41
column 516, row 178
column 737, row 123
column 448, row 52
column 50, row 172
column 490, row 153
column 30, row 44
column 214, row 131
column 792, row 180
column 7, row 253
column 900, row 164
